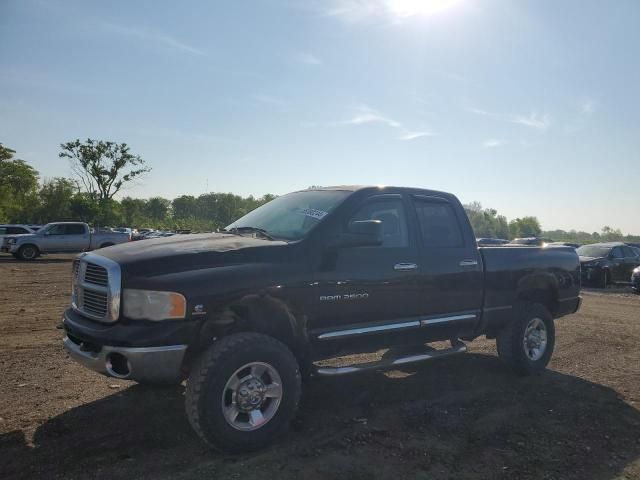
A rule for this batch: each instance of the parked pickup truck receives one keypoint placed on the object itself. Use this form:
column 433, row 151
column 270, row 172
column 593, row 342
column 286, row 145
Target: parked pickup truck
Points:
column 60, row 237
column 245, row 313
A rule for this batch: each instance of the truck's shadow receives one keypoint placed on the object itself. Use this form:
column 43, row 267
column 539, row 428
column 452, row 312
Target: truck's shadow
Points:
column 465, row 417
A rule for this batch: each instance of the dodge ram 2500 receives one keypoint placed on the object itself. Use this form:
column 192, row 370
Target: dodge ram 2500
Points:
column 243, row 314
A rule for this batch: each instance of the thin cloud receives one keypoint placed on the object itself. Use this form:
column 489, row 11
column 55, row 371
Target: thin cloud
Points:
column 364, row 115
column 154, row 37
column 413, row 135
column 532, row 120
column 493, row 143
column 307, row 58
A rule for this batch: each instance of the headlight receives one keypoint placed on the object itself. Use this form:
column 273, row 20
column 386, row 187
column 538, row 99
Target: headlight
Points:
column 152, row 305
column 11, row 241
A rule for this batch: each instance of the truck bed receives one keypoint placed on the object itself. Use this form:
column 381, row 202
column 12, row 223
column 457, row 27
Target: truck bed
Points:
column 550, row 275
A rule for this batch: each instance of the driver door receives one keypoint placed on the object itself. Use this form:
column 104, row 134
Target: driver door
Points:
column 372, row 288
column 54, row 238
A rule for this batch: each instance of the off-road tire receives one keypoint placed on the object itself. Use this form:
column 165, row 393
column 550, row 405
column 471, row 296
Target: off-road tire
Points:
column 24, row 252
column 206, row 384
column 511, row 337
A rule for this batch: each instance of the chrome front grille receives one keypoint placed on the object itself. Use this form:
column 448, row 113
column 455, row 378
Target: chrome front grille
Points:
column 96, row 274
column 96, row 287
column 94, row 303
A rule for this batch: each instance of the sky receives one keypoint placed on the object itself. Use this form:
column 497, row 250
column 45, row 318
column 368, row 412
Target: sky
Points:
column 529, row 107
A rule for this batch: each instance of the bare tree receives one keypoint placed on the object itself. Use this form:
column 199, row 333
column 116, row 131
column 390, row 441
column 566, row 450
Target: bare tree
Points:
column 103, row 168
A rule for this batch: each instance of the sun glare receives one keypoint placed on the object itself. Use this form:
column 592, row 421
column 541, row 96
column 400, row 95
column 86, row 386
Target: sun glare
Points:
column 410, row 8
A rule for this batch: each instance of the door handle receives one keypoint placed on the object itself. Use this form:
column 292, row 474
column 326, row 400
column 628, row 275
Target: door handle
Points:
column 403, row 267
column 468, row 263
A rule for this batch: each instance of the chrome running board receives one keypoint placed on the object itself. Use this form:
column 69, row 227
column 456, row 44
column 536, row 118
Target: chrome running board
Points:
column 387, row 363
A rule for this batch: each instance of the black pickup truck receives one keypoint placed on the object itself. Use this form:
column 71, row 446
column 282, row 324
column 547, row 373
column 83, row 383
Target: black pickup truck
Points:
column 244, row 314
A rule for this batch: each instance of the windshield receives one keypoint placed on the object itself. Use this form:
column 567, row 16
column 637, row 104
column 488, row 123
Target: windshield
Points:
column 292, row 216
column 594, row 251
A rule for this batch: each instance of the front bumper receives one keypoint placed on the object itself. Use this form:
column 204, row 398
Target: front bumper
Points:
column 140, row 351
column 142, row 364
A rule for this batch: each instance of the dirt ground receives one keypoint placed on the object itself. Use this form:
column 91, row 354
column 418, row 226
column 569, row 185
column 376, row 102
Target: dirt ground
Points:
column 465, row 417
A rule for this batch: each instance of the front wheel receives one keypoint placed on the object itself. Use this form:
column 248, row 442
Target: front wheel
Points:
column 526, row 343
column 242, row 392
column 27, row 252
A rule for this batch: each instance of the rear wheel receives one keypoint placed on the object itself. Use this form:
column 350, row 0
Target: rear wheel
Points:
column 28, row 252
column 243, row 392
column 526, row 343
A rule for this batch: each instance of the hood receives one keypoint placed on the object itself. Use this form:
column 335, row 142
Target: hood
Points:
column 589, row 259
column 188, row 252
column 19, row 236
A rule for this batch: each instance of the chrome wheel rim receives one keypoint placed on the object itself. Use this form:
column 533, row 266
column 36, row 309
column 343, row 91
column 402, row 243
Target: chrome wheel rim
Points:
column 535, row 339
column 251, row 396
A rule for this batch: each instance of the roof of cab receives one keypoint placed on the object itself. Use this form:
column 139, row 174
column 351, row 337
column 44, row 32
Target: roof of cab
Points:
column 355, row 188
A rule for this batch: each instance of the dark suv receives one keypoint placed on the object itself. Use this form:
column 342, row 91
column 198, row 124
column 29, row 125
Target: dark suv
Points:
column 605, row 263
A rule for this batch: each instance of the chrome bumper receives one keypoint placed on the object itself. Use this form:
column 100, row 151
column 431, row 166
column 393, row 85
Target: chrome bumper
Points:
column 146, row 364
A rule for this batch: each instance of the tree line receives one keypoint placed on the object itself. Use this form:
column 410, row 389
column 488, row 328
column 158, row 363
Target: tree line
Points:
column 487, row 223
column 101, row 170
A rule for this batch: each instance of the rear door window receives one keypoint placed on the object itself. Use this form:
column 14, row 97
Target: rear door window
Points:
column 439, row 225
column 617, row 252
column 76, row 229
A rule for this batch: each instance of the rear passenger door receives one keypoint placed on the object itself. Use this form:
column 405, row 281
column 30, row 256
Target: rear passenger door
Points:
column 450, row 268
column 76, row 237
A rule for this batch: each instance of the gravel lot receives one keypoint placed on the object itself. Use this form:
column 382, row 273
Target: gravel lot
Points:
column 463, row 417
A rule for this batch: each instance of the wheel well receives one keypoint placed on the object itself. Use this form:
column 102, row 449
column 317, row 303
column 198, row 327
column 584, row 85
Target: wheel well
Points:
column 106, row 244
column 545, row 296
column 261, row 314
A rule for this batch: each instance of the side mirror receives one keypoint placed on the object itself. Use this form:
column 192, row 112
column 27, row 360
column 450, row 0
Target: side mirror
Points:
column 360, row 233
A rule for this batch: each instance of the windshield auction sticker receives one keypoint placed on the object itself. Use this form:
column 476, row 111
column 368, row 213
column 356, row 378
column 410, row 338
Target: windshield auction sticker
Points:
column 313, row 213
